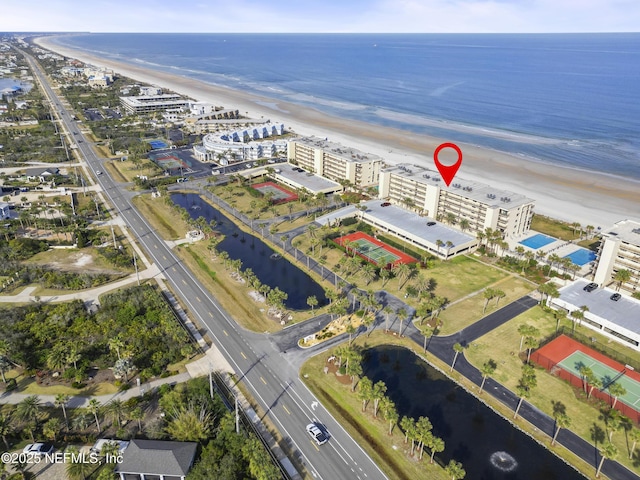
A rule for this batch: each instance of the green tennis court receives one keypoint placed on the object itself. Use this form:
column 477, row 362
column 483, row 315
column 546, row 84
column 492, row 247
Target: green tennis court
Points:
column 376, row 253
column 574, row 362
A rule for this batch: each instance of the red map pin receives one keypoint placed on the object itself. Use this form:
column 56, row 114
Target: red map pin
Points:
column 447, row 171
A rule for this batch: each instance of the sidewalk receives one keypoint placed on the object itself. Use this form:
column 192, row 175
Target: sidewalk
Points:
column 93, row 294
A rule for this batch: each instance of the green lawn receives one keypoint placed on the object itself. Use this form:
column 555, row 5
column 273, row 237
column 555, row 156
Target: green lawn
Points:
column 461, row 276
column 553, row 227
column 464, row 313
column 502, row 346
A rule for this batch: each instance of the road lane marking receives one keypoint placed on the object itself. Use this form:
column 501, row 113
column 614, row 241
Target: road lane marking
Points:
column 263, row 380
column 198, row 298
column 225, row 332
column 286, row 409
column 243, row 355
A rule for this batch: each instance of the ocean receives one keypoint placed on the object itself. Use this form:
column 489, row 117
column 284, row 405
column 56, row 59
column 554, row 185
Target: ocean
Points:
column 564, row 99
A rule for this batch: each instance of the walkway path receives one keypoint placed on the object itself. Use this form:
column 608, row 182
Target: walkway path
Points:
column 89, row 295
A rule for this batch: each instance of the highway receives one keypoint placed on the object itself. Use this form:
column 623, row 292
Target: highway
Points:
column 269, row 374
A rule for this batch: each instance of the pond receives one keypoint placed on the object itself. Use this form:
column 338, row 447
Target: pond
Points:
column 271, row 268
column 486, row 444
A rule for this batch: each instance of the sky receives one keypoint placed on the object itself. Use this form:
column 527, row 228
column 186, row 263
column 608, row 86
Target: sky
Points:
column 340, row 16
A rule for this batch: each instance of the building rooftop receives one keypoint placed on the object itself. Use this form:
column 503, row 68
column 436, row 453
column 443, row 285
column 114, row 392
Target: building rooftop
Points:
column 626, row 230
column 153, row 457
column 166, row 98
column 348, row 153
column 624, row 313
column 310, row 181
column 417, row 225
column 480, row 192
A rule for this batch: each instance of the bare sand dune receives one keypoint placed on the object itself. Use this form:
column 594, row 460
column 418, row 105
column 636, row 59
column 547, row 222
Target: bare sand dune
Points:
column 565, row 193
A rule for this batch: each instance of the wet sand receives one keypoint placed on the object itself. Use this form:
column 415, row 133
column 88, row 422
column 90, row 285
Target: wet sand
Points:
column 568, row 194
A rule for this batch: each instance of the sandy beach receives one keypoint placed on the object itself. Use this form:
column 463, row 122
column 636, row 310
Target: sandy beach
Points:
column 565, row 193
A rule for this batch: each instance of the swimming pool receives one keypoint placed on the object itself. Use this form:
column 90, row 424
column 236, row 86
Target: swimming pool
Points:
column 582, row 256
column 537, row 241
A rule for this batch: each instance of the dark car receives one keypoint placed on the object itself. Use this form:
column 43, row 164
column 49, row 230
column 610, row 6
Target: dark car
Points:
column 316, row 434
column 385, row 204
column 590, row 287
column 615, row 297
column 430, row 224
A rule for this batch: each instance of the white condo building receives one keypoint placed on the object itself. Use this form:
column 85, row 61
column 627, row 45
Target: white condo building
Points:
column 240, row 145
column 481, row 205
column 620, row 250
column 141, row 104
column 334, row 161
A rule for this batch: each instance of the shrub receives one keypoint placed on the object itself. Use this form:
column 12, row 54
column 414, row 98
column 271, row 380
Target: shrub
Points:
column 11, row 385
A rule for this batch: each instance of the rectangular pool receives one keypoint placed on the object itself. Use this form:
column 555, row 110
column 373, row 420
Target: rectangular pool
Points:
column 537, row 241
column 581, row 256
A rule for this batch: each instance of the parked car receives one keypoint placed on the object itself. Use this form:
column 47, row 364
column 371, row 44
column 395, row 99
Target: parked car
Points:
column 316, row 434
column 38, row 448
column 385, row 204
column 98, row 172
column 590, row 287
column 615, row 297
column 430, row 224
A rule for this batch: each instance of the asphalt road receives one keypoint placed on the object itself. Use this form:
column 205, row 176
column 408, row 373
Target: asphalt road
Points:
column 271, row 378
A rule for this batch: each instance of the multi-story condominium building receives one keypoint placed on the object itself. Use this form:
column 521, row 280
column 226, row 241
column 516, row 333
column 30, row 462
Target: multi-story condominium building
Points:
column 620, row 250
column 239, row 145
column 470, row 205
column 141, row 104
column 334, row 161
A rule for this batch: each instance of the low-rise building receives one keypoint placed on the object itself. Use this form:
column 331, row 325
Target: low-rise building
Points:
column 617, row 319
column 154, row 459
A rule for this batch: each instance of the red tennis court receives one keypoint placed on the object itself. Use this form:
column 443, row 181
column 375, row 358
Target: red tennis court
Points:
column 373, row 250
column 565, row 356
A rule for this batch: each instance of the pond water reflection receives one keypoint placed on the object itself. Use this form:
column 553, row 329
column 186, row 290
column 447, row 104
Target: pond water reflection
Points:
column 271, row 268
column 487, row 445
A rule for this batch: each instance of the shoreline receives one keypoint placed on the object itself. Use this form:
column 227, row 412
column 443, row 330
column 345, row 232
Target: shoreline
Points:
column 566, row 193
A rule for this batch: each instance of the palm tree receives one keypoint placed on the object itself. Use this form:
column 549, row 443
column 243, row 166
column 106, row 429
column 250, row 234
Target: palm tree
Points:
column 607, row 451
column 78, row 468
column 530, row 343
column 365, row 391
column 61, row 401
column 616, row 390
column 390, row 412
column 454, row 470
column 407, row 424
column 457, row 348
column 116, row 344
column 562, row 421
column 312, row 301
column 95, row 408
column 487, row 369
column 51, row 428
column 488, row 295
column 137, row 414
column 385, row 275
column 427, row 331
column 6, row 428
column 634, row 436
column 116, row 409
column 4, row 366
column 387, row 310
column 436, row 445
column 621, row 276
column 379, row 389
column 402, row 316
column 526, row 384
column 402, row 272
column 28, row 410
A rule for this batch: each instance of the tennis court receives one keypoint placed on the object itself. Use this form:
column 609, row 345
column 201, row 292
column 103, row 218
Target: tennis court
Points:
column 157, row 144
column 373, row 250
column 169, row 162
column 279, row 194
column 564, row 357
column 607, row 375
